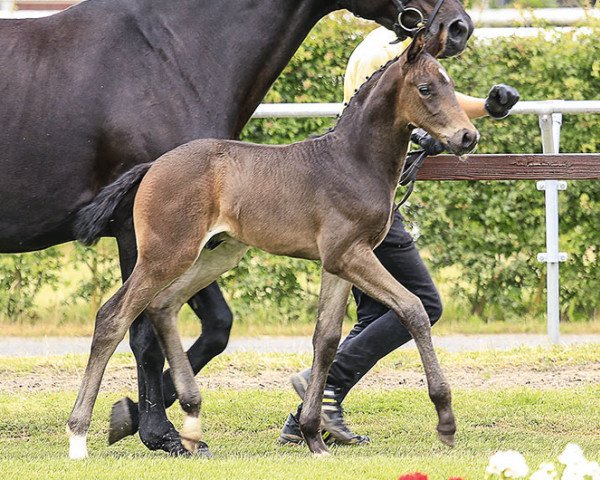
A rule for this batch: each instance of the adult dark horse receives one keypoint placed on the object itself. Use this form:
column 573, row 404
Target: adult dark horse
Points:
column 88, row 93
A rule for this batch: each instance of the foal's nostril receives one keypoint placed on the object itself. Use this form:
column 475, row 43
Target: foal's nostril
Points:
column 469, row 139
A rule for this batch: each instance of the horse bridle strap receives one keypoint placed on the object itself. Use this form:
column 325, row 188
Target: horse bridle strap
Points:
column 403, row 28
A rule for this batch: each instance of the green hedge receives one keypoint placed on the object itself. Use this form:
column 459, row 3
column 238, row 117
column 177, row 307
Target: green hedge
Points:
column 479, row 237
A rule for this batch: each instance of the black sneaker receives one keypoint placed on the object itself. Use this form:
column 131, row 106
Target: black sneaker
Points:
column 335, row 430
column 290, row 433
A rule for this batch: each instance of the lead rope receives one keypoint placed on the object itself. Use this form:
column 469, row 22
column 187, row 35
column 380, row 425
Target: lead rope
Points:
column 408, row 177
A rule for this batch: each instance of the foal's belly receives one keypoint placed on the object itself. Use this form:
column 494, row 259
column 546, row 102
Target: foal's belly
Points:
column 221, row 254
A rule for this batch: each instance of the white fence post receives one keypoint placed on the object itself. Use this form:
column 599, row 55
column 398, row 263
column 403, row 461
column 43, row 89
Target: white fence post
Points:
column 7, row 5
column 550, row 127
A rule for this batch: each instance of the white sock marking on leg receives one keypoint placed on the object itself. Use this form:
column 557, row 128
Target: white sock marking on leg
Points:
column 77, row 447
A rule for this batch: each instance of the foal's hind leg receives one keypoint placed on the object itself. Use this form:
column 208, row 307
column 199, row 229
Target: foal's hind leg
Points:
column 150, row 417
column 112, row 322
column 360, row 266
column 163, row 314
column 165, row 325
column 332, row 305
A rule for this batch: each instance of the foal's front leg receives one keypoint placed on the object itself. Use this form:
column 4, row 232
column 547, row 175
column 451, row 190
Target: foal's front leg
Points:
column 361, row 267
column 332, row 306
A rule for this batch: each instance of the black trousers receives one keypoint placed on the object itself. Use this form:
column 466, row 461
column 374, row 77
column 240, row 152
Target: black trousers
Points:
column 378, row 330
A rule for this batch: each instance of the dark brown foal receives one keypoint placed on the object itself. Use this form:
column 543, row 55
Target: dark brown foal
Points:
column 200, row 207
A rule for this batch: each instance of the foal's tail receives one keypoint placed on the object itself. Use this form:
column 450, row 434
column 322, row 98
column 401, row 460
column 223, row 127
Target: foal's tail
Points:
column 92, row 220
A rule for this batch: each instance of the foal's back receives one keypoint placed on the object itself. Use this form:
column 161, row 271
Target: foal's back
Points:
column 267, row 196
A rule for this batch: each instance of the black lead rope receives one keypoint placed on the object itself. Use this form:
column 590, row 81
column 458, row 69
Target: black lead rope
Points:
column 409, row 175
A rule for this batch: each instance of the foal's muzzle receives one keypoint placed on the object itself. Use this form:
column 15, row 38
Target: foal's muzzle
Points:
column 463, row 141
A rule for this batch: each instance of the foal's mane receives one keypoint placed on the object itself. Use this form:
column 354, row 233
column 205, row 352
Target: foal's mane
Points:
column 366, row 86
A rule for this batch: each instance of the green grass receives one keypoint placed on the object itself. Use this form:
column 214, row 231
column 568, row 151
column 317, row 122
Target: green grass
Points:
column 241, row 427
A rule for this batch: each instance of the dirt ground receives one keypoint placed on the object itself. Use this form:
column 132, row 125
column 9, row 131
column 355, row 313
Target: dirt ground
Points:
column 119, row 379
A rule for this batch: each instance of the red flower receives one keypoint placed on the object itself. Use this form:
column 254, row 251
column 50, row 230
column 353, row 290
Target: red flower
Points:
column 413, row 476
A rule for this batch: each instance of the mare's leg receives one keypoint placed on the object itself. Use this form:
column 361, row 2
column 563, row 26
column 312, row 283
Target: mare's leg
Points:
column 361, row 267
column 332, row 305
column 156, row 431
column 112, row 322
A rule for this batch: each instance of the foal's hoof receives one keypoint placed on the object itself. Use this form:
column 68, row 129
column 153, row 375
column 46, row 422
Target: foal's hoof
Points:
column 202, row 451
column 446, row 438
column 193, row 449
column 124, row 420
column 317, row 447
column 322, row 454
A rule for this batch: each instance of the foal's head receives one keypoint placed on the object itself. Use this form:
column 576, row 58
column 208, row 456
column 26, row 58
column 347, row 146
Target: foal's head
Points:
column 427, row 99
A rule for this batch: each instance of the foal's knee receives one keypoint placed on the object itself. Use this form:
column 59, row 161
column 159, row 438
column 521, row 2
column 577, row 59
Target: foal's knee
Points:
column 415, row 314
column 328, row 342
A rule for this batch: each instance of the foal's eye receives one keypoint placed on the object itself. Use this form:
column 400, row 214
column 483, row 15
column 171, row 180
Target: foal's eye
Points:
column 424, row 90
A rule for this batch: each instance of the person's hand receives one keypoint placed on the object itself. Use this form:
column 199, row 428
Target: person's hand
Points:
column 500, row 100
column 427, row 142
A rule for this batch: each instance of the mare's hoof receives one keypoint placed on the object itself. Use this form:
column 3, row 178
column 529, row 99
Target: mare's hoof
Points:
column 124, row 420
column 176, row 449
column 446, row 438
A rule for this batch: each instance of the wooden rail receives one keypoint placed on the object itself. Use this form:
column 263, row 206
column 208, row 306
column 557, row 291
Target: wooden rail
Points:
column 44, row 4
column 569, row 166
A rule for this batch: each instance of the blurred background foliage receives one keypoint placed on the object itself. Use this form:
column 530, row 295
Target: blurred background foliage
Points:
column 479, row 238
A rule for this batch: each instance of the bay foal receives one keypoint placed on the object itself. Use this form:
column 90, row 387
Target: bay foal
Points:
column 201, row 206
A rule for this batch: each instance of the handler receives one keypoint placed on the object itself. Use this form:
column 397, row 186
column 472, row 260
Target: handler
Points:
column 378, row 330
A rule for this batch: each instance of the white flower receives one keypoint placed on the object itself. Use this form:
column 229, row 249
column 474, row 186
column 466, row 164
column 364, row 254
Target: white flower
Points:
column 592, row 470
column 509, row 464
column 572, row 456
column 573, row 472
column 545, row 471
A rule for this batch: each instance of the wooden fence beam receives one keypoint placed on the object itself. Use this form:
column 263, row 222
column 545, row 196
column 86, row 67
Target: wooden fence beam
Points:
column 570, row 166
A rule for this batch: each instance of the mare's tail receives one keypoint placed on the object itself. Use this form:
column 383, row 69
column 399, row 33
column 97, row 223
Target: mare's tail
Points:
column 92, row 220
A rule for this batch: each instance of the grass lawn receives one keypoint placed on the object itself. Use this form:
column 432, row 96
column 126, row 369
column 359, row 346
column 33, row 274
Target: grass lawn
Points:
column 241, row 425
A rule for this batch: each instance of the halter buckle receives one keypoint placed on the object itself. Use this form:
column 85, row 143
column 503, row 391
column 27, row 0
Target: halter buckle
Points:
column 411, row 11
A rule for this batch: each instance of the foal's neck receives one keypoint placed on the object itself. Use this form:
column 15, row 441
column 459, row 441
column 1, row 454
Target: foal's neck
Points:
column 372, row 126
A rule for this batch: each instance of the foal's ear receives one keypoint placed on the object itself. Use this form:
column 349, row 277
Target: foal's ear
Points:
column 416, row 46
column 437, row 44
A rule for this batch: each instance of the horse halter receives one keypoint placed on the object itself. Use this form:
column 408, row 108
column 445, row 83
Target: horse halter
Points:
column 411, row 19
